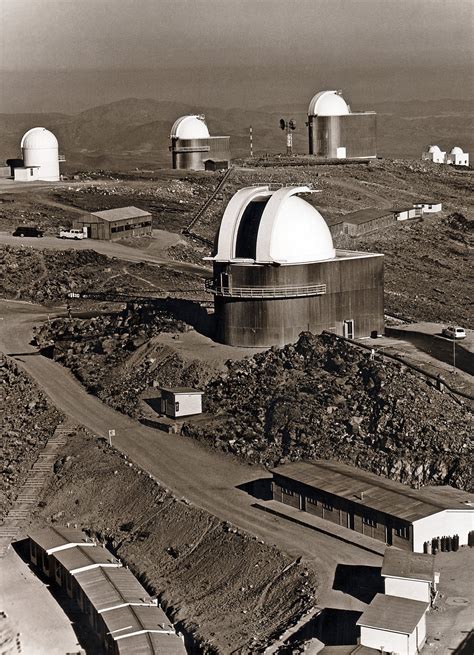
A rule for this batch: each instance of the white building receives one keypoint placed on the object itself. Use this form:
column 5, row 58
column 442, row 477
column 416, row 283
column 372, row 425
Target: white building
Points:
column 458, row 157
column 394, row 625
column 427, row 207
column 39, row 149
column 435, row 154
column 409, row 575
column 26, row 173
column 181, row 401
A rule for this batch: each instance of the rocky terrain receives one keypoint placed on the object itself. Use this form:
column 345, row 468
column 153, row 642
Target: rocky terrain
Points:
column 217, row 582
column 27, row 421
column 47, row 276
column 325, row 398
column 116, row 355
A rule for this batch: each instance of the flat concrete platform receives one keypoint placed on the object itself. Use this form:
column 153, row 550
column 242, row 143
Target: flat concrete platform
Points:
column 315, row 523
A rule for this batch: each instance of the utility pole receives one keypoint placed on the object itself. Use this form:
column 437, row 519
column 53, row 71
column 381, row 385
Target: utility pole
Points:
column 454, row 355
column 289, row 126
column 251, row 142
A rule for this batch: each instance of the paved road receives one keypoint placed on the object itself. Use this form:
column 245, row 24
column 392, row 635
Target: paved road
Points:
column 207, row 479
column 105, row 248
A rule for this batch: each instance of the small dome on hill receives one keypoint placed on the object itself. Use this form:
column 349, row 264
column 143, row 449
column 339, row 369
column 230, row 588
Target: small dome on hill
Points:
column 328, row 103
column 190, row 127
column 39, row 138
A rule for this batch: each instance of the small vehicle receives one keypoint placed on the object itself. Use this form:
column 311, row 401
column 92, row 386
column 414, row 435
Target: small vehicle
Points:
column 72, row 233
column 27, row 231
column 454, row 332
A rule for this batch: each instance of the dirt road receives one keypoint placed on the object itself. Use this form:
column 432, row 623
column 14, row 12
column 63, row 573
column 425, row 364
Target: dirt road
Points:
column 105, row 248
column 207, row 479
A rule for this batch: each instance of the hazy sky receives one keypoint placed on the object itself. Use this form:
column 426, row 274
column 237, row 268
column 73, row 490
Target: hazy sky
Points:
column 406, row 42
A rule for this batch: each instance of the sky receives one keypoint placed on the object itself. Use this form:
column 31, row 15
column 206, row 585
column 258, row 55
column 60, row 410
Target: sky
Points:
column 66, row 54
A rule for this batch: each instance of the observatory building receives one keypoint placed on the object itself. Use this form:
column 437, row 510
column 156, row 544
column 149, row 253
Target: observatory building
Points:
column 335, row 132
column 192, row 147
column 40, row 158
column 276, row 273
column 435, row 154
column 458, row 157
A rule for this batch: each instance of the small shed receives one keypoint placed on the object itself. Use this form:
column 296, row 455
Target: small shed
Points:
column 180, row 401
column 394, row 625
column 26, row 173
column 409, row 575
column 216, row 165
column 119, row 223
column 404, row 212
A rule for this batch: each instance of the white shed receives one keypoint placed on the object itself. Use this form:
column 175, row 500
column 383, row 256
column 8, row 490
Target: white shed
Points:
column 394, row 625
column 181, row 401
column 409, row 575
column 428, row 207
column 26, row 173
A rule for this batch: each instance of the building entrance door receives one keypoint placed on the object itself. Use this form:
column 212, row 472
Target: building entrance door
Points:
column 348, row 329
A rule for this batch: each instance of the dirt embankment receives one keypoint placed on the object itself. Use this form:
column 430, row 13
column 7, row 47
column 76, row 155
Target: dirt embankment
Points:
column 28, row 420
column 324, row 398
column 229, row 591
column 116, row 356
column 47, row 276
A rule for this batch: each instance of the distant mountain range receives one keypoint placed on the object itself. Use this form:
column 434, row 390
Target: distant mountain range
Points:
column 135, row 132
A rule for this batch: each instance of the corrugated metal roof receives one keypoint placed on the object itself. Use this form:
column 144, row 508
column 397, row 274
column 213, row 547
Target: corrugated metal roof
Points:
column 56, row 536
column 365, row 215
column 110, row 587
column 176, row 390
column 150, row 642
column 78, row 557
column 393, row 613
column 402, row 564
column 120, row 213
column 376, row 492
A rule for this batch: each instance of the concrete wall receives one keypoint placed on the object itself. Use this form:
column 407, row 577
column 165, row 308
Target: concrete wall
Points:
column 394, row 642
column 446, row 523
column 354, row 291
column 405, row 588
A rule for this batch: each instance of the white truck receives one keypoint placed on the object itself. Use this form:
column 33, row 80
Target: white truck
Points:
column 72, row 233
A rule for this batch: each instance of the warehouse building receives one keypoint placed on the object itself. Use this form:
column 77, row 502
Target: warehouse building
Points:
column 377, row 507
column 335, row 132
column 112, row 224
column 364, row 221
column 125, row 618
column 193, row 148
column 276, row 273
column 409, row 575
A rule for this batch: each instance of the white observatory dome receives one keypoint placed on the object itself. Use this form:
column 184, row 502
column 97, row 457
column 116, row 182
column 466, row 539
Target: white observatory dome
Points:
column 190, row 127
column 285, row 229
column 39, row 138
column 40, row 150
column 328, row 103
column 434, row 149
column 457, row 151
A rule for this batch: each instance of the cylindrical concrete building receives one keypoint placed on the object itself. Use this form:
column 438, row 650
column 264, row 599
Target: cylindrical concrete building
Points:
column 277, row 274
column 40, row 150
column 193, row 148
column 335, row 132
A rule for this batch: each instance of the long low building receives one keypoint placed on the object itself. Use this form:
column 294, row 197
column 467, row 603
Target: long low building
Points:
column 112, row 224
column 364, row 221
column 380, row 508
column 125, row 618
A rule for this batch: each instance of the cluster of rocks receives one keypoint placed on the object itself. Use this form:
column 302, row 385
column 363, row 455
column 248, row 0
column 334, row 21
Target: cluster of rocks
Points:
column 117, row 357
column 28, row 421
column 325, row 398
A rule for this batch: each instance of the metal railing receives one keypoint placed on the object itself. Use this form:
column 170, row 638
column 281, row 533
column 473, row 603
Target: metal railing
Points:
column 265, row 292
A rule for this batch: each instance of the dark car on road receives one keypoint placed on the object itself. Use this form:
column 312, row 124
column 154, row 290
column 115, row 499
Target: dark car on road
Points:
column 27, row 231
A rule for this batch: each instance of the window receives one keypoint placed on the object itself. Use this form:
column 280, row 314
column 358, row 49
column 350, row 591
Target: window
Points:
column 288, row 492
column 312, row 501
column 403, row 533
column 31, row 172
column 367, row 521
column 328, row 507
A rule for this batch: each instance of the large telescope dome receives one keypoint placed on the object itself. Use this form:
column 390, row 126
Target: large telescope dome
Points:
column 273, row 227
column 190, row 127
column 328, row 103
column 39, row 138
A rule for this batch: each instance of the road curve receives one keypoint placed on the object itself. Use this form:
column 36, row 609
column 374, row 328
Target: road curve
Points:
column 206, row 478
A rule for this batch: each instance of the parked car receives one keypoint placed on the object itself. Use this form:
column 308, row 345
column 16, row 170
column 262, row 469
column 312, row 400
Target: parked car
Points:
column 454, row 332
column 27, row 231
column 72, row 233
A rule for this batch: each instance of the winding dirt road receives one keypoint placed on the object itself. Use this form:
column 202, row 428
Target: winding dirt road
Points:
column 206, row 478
